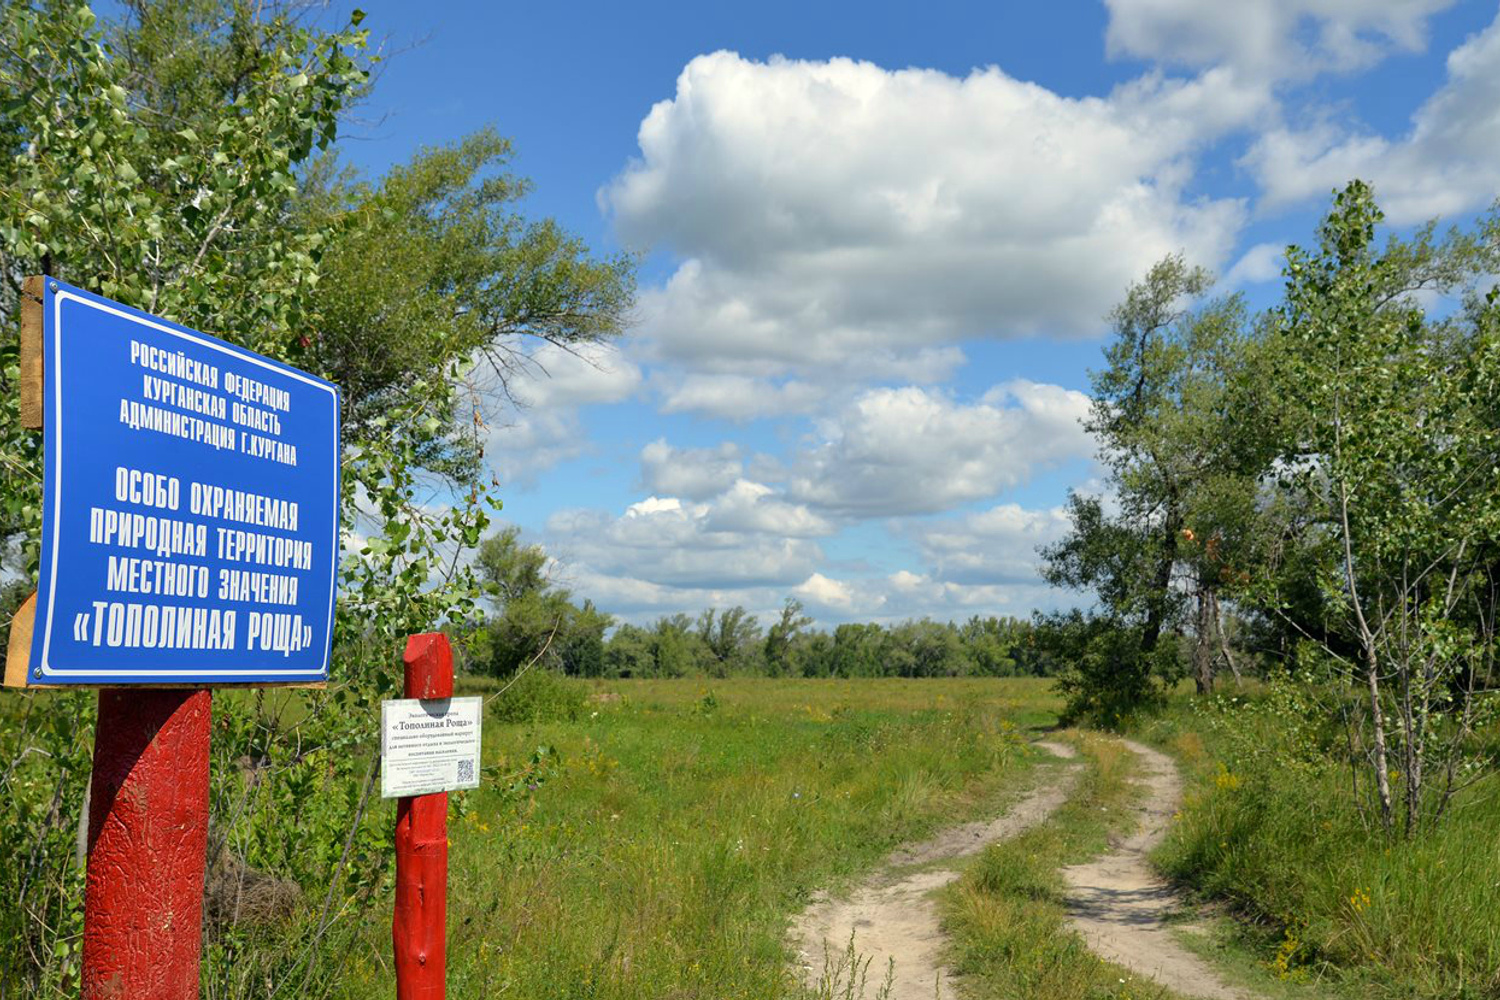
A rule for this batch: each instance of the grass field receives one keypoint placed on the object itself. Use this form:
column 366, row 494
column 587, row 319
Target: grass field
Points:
column 652, row 839
column 659, row 844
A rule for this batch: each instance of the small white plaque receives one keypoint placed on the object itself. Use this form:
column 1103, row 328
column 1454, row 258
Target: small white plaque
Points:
column 429, row 745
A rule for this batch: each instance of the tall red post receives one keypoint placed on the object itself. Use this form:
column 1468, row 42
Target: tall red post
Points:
column 420, row 929
column 148, row 831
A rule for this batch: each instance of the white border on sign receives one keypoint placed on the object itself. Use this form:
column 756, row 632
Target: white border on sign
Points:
column 58, row 298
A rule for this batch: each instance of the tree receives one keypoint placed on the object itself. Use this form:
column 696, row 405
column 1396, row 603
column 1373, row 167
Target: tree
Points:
column 535, row 620
column 435, row 263
column 678, row 648
column 630, row 652
column 1391, row 442
column 931, row 649
column 989, row 645
column 582, row 650
column 156, row 164
column 160, row 175
column 1161, row 414
column 857, row 650
column 511, row 568
column 730, row 635
column 780, row 636
column 811, row 654
column 1105, row 677
column 1161, row 410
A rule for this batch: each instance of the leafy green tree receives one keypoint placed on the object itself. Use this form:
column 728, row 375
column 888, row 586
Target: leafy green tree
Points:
column 780, row 635
column 582, row 651
column 679, row 649
column 926, row 648
column 435, row 263
column 536, row 621
column 157, row 165
column 510, row 568
column 159, row 178
column 988, row 645
column 732, row 635
column 811, row 655
column 1161, row 415
column 857, row 650
column 630, row 652
column 1105, row 678
column 1392, row 443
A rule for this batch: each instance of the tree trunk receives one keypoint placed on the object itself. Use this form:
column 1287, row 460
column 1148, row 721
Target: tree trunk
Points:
column 1162, row 584
column 1233, row 664
column 1372, row 660
column 1377, row 717
column 1203, row 653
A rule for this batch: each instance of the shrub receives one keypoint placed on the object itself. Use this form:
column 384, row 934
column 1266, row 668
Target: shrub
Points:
column 541, row 696
column 1108, row 679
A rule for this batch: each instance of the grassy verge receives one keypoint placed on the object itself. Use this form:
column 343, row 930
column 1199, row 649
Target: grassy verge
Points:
column 1243, row 954
column 1269, row 827
column 656, row 844
column 1007, row 915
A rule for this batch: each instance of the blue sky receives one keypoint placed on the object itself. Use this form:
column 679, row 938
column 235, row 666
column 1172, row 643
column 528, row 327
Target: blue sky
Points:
column 879, row 241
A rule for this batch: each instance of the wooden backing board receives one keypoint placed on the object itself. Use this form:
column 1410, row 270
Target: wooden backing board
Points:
column 31, row 352
column 18, row 649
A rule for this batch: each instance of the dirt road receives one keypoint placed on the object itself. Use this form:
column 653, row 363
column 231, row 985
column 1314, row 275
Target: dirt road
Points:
column 1115, row 901
column 1120, row 906
column 891, row 915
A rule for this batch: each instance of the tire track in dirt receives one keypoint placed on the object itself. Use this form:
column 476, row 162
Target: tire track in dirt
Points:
column 892, row 918
column 1120, row 906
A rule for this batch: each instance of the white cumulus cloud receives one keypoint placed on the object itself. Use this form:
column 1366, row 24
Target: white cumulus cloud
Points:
column 746, row 538
column 916, row 451
column 1259, row 264
column 1270, row 39
column 1445, row 164
column 741, row 397
column 591, row 373
column 822, row 592
column 841, row 214
column 695, row 473
column 994, row 546
column 530, row 442
column 539, row 425
column 754, row 507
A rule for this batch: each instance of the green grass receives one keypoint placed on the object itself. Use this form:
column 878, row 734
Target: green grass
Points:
column 1243, row 954
column 1321, row 895
column 1007, row 914
column 677, row 826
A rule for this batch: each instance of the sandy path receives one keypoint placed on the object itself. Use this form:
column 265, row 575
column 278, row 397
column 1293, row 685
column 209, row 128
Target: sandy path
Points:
column 1119, row 905
column 892, row 917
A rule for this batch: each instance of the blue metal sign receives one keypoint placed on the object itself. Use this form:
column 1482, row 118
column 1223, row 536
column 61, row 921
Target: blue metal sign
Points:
column 191, row 506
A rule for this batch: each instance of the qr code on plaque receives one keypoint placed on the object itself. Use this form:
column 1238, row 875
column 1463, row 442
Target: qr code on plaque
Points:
column 465, row 770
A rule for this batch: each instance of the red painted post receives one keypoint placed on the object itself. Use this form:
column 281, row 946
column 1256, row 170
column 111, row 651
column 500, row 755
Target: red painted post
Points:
column 148, row 831
column 420, row 929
